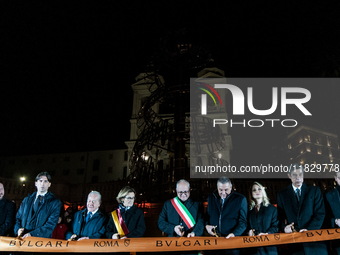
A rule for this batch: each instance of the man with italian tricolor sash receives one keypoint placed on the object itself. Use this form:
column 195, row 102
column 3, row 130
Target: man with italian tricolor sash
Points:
column 181, row 216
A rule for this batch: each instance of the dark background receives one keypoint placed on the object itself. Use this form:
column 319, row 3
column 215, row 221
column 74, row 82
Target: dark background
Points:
column 67, row 66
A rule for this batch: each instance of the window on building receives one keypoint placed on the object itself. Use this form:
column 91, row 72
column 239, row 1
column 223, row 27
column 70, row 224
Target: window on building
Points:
column 67, row 159
column 66, row 171
column 330, row 153
column 125, row 172
column 126, row 155
column 80, row 171
column 94, row 179
column 111, row 156
column 96, row 164
column 109, row 170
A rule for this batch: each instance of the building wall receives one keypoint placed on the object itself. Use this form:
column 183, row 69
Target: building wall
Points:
column 307, row 145
column 73, row 168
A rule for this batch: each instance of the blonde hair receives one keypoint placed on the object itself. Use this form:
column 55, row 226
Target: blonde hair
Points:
column 123, row 193
column 252, row 202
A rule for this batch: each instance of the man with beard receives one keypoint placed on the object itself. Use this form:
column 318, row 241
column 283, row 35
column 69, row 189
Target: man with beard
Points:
column 226, row 213
column 181, row 216
column 7, row 215
column 38, row 213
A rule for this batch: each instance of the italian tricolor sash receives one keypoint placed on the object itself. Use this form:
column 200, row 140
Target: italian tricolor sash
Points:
column 183, row 212
column 119, row 223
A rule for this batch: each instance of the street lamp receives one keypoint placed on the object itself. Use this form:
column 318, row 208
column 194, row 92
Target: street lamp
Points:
column 23, row 179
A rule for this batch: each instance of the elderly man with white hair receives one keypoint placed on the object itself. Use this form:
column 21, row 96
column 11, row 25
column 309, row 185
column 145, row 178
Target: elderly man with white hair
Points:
column 88, row 223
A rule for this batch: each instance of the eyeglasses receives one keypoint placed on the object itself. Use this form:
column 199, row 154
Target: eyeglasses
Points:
column 183, row 192
column 129, row 198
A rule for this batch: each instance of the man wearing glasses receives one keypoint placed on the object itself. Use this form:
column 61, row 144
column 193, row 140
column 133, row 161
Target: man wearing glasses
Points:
column 181, row 216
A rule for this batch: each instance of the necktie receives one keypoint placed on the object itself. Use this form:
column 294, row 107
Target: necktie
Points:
column 37, row 203
column 89, row 215
column 298, row 194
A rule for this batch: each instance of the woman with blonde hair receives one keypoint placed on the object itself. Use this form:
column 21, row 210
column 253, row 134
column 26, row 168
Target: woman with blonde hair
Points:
column 127, row 221
column 262, row 217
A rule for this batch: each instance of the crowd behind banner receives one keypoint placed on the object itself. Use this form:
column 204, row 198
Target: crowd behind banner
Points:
column 300, row 208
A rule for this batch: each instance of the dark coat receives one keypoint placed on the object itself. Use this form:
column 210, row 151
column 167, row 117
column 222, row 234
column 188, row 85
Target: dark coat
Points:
column 308, row 214
column 333, row 200
column 7, row 216
column 134, row 221
column 93, row 229
column 265, row 221
column 233, row 216
column 333, row 206
column 46, row 217
column 169, row 218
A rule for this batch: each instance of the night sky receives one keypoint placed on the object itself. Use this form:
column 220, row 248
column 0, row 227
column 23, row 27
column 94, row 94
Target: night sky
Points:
column 67, row 66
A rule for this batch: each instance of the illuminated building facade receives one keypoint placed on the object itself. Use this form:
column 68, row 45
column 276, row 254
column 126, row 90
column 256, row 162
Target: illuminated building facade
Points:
column 307, row 145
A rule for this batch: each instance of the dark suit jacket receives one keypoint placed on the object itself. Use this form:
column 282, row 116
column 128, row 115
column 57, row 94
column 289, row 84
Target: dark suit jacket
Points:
column 232, row 218
column 265, row 221
column 333, row 200
column 308, row 214
column 134, row 221
column 94, row 228
column 7, row 216
column 169, row 218
column 47, row 216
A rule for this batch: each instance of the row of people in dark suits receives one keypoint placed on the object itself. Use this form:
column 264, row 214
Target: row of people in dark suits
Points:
column 300, row 208
column 39, row 214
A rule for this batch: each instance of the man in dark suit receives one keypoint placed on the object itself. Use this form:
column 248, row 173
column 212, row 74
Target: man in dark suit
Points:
column 38, row 213
column 7, row 215
column 301, row 208
column 226, row 212
column 90, row 222
column 333, row 200
column 172, row 223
